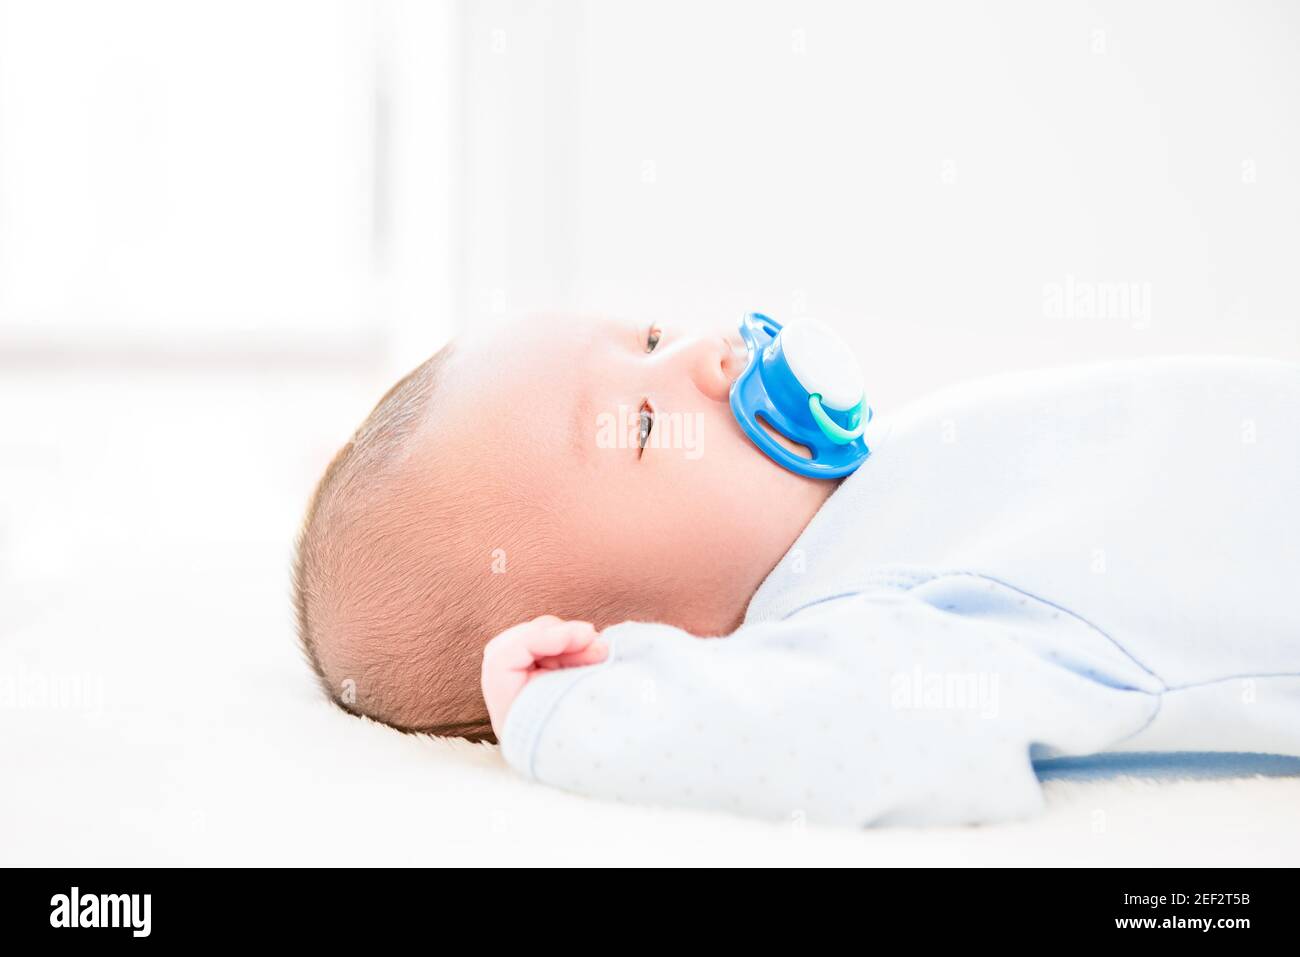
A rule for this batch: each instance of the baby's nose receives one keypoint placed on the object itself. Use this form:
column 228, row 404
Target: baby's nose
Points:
column 715, row 362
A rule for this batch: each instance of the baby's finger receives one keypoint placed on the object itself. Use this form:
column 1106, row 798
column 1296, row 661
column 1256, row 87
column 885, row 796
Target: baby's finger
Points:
column 511, row 650
column 562, row 639
column 593, row 654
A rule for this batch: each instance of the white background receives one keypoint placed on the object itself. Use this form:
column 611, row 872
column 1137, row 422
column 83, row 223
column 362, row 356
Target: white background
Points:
column 915, row 174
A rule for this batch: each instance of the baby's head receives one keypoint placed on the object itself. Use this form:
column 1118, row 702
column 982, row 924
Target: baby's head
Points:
column 505, row 478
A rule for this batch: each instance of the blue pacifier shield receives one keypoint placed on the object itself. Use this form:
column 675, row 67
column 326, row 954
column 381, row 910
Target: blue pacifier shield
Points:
column 803, row 382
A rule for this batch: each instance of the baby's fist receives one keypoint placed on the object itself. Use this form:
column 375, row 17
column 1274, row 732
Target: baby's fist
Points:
column 517, row 655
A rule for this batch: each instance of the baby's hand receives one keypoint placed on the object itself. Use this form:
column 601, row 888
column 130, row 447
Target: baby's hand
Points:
column 517, row 655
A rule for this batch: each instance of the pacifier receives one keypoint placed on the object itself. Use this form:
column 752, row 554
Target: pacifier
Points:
column 802, row 381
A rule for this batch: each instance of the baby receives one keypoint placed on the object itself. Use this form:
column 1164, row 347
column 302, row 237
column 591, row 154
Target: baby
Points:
column 1056, row 563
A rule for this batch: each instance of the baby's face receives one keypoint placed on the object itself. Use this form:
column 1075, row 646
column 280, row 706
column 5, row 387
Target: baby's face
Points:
column 624, row 433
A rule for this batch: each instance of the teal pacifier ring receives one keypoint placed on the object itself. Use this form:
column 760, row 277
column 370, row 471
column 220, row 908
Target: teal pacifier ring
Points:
column 832, row 429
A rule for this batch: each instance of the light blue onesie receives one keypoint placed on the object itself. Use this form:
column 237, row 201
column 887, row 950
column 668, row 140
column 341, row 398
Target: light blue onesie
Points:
column 1102, row 558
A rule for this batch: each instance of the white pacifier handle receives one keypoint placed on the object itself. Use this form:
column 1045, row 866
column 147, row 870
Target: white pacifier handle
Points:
column 823, row 364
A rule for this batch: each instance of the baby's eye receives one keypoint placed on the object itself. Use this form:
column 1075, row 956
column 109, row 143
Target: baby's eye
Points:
column 644, row 426
column 652, row 338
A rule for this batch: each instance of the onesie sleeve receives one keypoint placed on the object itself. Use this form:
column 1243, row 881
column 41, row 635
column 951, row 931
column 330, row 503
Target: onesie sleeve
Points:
column 867, row 709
